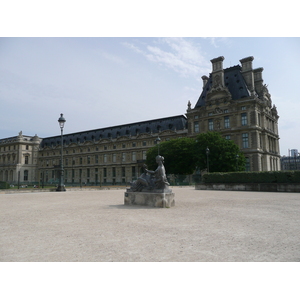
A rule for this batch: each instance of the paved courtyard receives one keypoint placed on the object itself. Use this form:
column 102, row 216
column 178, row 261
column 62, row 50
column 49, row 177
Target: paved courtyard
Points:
column 204, row 226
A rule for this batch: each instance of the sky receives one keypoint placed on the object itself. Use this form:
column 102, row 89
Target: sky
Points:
column 98, row 82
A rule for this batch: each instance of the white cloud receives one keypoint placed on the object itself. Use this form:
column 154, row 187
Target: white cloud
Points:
column 133, row 47
column 113, row 58
column 178, row 54
column 217, row 42
column 186, row 50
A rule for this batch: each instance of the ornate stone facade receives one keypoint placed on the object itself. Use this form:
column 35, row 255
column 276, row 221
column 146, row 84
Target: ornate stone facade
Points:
column 19, row 159
column 113, row 155
column 234, row 101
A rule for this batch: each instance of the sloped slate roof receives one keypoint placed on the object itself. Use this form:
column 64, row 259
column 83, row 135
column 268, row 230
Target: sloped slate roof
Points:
column 133, row 129
column 233, row 80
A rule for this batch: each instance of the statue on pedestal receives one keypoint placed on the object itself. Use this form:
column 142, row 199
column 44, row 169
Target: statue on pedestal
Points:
column 151, row 188
column 152, row 181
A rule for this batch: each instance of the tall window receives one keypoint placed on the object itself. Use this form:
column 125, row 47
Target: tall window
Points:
column 105, row 158
column 144, row 155
column 96, row 159
column 196, row 127
column 25, row 175
column 245, row 140
column 133, row 156
column 123, row 156
column 244, row 119
column 226, row 122
column 247, row 166
column 114, row 157
column 260, row 141
column 88, row 159
column 210, row 124
column 26, row 160
column 133, row 171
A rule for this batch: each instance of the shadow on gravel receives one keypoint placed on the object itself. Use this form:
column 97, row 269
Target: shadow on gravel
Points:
column 122, row 206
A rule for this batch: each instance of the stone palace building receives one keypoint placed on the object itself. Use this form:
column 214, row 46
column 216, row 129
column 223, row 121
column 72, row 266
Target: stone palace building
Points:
column 233, row 101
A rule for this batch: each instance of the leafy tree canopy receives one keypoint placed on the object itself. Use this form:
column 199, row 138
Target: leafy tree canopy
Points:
column 224, row 155
column 185, row 155
column 178, row 154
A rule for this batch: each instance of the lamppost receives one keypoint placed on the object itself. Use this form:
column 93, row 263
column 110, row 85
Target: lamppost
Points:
column 61, row 187
column 237, row 158
column 158, row 141
column 207, row 153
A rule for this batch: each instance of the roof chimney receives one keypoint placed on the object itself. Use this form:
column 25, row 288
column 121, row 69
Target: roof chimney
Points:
column 258, row 81
column 247, row 72
column 247, row 63
column 217, row 71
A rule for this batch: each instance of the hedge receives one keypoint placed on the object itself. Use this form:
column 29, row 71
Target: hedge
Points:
column 253, row 177
column 4, row 185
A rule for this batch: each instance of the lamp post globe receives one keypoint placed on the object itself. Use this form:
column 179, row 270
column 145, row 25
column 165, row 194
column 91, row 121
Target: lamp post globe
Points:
column 61, row 121
column 61, row 186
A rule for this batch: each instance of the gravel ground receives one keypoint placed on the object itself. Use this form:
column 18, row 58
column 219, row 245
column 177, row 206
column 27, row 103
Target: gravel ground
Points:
column 203, row 226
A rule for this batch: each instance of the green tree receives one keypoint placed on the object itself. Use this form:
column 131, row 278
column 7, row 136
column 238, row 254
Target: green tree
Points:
column 178, row 154
column 224, row 155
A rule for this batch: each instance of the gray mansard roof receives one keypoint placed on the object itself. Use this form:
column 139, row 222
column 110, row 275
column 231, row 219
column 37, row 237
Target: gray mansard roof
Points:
column 233, row 80
column 133, row 129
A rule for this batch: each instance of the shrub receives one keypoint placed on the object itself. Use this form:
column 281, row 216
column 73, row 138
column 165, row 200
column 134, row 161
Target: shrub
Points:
column 253, row 177
column 4, row 185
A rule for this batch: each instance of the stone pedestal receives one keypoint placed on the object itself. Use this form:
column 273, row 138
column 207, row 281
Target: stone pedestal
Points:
column 150, row 199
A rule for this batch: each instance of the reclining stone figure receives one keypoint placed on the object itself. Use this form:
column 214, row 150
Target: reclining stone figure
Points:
column 152, row 181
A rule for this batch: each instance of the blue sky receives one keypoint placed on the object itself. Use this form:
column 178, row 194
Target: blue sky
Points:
column 100, row 82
